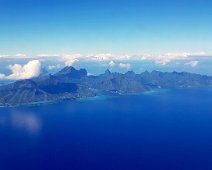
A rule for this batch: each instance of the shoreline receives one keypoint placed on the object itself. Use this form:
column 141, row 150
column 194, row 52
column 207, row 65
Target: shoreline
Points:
column 99, row 97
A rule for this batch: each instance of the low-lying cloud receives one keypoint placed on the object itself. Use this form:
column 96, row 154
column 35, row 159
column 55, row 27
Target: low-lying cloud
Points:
column 192, row 63
column 53, row 67
column 27, row 71
column 125, row 66
column 32, row 69
column 70, row 59
column 111, row 64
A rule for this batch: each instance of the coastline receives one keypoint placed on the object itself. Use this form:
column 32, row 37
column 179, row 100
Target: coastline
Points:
column 102, row 96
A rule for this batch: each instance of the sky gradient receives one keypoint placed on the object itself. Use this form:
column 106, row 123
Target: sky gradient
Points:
column 120, row 35
column 113, row 26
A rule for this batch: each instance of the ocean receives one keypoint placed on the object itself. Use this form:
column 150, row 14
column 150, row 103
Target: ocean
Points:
column 162, row 130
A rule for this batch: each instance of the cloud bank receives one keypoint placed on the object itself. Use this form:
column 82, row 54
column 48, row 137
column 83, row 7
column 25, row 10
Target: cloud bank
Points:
column 70, row 59
column 33, row 67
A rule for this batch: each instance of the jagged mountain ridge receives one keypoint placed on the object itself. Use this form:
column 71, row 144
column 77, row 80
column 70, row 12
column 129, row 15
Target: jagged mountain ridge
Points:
column 69, row 84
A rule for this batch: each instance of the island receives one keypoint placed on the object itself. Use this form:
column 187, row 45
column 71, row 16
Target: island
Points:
column 70, row 84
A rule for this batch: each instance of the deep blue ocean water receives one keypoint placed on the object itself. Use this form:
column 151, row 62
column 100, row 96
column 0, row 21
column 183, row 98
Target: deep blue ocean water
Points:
column 165, row 130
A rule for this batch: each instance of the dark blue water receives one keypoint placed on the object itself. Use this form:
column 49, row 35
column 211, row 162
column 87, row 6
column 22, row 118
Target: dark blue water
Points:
column 162, row 130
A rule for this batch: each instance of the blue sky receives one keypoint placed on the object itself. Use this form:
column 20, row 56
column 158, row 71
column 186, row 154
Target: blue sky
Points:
column 121, row 35
column 112, row 26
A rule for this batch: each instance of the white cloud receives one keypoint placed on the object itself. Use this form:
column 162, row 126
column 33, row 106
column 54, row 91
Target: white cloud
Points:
column 169, row 57
column 109, row 57
column 145, row 57
column 125, row 66
column 70, row 59
column 102, row 57
column 192, row 63
column 21, row 55
column 112, row 64
column 2, row 76
column 164, row 59
column 52, row 67
column 47, row 55
column 204, row 54
column 90, row 74
column 27, row 71
column 16, row 56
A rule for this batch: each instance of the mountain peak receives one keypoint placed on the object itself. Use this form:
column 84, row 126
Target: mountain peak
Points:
column 67, row 69
column 107, row 71
column 71, row 72
column 130, row 73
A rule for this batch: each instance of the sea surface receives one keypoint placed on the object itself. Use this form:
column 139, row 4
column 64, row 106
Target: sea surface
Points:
column 162, row 130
